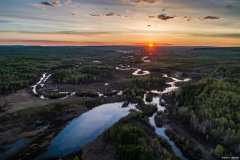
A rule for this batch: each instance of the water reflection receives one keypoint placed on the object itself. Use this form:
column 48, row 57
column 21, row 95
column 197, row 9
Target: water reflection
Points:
column 85, row 128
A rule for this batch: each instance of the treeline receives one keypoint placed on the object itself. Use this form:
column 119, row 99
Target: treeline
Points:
column 212, row 107
column 84, row 74
column 149, row 82
column 18, row 72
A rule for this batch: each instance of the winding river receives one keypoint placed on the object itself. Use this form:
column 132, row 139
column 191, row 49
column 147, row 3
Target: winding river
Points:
column 93, row 123
column 156, row 100
column 40, row 83
column 173, row 83
column 87, row 127
column 140, row 72
column 146, row 60
column 161, row 130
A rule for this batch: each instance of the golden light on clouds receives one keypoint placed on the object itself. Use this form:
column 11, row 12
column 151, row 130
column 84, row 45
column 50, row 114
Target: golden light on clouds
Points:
column 124, row 22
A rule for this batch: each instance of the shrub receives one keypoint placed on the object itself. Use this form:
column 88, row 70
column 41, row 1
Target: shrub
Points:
column 219, row 150
column 87, row 94
column 3, row 104
column 149, row 109
column 149, row 97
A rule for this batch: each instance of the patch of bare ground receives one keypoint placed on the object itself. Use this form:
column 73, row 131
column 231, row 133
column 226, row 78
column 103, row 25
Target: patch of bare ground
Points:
column 99, row 150
column 23, row 99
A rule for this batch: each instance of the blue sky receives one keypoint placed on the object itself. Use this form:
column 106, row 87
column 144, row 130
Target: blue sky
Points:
column 89, row 22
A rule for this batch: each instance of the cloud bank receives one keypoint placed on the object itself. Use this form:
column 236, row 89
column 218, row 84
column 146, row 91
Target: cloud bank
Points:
column 165, row 17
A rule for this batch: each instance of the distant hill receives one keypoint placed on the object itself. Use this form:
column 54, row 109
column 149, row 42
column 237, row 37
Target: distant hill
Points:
column 218, row 48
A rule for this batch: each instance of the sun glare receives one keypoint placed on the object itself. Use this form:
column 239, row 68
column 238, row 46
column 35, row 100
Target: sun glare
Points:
column 150, row 48
column 150, row 45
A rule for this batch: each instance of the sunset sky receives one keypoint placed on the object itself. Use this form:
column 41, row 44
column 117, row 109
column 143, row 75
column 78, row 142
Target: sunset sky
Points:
column 120, row 22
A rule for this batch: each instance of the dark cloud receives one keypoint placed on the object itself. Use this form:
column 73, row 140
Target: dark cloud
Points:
column 107, row 14
column 51, row 42
column 74, row 14
column 110, row 14
column 223, row 35
column 165, row 17
column 60, row 32
column 47, row 4
column 188, row 18
column 145, row 1
column 52, row 3
column 151, row 16
column 114, row 14
column 211, row 17
column 95, row 15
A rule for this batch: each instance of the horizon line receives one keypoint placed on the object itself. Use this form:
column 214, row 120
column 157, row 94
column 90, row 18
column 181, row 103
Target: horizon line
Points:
column 6, row 45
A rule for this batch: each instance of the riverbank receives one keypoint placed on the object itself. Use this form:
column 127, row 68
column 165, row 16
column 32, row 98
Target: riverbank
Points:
column 38, row 124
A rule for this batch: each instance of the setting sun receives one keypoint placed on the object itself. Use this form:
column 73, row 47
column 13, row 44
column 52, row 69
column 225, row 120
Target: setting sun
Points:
column 150, row 45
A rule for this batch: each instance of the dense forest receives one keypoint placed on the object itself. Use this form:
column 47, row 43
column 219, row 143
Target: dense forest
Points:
column 212, row 108
column 84, row 74
column 132, row 142
column 147, row 83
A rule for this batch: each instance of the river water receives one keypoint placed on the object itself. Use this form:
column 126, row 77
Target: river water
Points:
column 161, row 130
column 140, row 72
column 85, row 129
column 156, row 100
column 40, row 83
